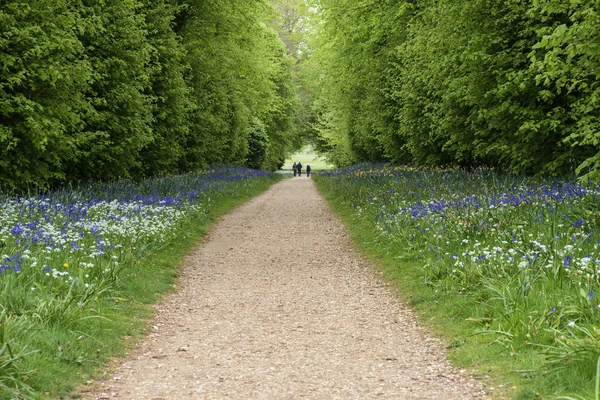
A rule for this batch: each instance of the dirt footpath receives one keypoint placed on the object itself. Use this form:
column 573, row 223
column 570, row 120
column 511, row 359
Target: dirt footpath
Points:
column 275, row 304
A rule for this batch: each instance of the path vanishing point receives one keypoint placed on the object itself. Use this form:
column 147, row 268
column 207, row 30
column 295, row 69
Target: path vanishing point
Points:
column 275, row 304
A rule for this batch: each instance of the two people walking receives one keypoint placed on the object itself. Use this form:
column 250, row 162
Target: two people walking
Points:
column 297, row 167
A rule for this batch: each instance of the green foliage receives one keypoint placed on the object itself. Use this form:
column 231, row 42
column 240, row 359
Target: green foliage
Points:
column 280, row 116
column 349, row 68
column 171, row 103
column 238, row 73
column 292, row 22
column 505, row 265
column 566, row 60
column 511, row 85
column 116, row 248
column 42, row 85
column 119, row 124
column 100, row 90
column 258, row 143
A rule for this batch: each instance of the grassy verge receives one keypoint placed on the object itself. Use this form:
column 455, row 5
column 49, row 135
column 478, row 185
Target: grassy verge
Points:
column 510, row 346
column 60, row 356
column 307, row 156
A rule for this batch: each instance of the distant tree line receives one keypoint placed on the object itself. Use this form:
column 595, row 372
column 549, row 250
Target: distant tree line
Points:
column 510, row 84
column 106, row 89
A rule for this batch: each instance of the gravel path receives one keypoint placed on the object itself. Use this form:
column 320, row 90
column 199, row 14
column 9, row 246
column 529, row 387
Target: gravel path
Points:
column 275, row 304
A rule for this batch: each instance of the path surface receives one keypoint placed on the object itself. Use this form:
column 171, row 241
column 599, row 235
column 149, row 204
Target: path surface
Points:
column 276, row 305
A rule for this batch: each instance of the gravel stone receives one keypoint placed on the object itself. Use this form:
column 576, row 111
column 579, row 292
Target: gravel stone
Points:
column 275, row 304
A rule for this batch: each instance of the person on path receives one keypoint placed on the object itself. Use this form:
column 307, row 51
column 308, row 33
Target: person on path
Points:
column 295, row 168
column 307, row 171
column 299, row 166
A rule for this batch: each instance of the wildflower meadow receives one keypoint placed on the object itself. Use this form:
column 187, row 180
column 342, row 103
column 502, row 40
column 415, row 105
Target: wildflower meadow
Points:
column 69, row 259
column 518, row 257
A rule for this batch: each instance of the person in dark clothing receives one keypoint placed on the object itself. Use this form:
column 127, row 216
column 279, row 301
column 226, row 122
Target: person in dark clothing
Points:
column 295, row 168
column 307, row 171
column 299, row 166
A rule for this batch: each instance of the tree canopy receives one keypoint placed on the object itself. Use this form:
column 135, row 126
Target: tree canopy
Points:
column 505, row 84
column 103, row 90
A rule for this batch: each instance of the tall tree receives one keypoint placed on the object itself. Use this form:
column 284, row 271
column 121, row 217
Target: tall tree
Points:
column 42, row 105
column 352, row 45
column 234, row 79
column 281, row 114
column 119, row 125
column 171, row 103
column 101, row 90
column 507, row 84
column 566, row 61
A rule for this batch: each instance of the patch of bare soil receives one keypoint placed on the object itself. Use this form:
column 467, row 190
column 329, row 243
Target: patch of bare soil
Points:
column 275, row 304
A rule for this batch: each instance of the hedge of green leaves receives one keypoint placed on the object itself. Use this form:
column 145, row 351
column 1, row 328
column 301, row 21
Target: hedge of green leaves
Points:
column 99, row 90
column 508, row 84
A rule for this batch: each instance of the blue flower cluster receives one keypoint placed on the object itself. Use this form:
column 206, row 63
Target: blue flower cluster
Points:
column 70, row 229
column 480, row 230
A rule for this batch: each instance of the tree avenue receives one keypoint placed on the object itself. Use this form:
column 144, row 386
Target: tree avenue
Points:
column 505, row 84
column 102, row 90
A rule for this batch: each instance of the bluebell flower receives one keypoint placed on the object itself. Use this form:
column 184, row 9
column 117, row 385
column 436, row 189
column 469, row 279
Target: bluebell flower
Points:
column 17, row 229
column 567, row 261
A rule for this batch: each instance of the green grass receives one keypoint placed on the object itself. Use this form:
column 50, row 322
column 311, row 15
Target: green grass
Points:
column 464, row 350
column 307, row 156
column 507, row 353
column 65, row 357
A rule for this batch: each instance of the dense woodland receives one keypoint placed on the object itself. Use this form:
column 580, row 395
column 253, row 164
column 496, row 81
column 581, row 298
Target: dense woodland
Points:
column 99, row 90
column 513, row 85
